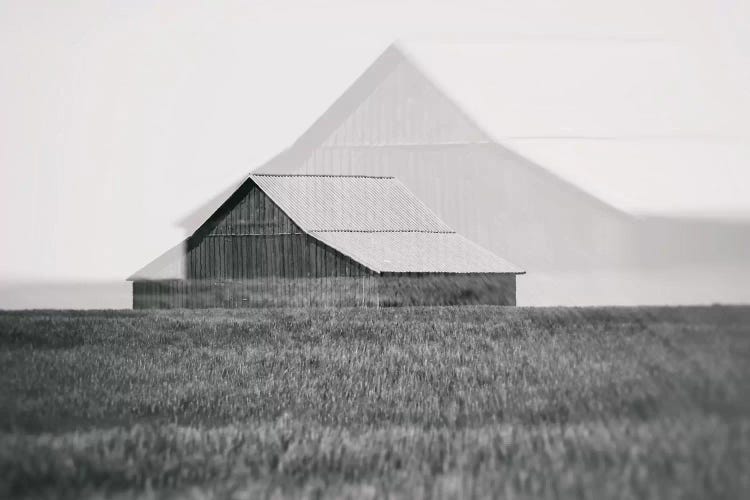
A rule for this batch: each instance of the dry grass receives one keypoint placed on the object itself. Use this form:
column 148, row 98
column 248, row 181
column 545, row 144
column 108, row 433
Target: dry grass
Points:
column 452, row 402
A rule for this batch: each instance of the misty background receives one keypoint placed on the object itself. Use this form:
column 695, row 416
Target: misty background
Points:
column 119, row 118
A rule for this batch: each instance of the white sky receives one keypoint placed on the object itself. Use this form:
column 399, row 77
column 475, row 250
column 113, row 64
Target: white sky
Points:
column 117, row 118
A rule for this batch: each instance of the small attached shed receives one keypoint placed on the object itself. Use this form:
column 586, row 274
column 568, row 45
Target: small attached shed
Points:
column 319, row 240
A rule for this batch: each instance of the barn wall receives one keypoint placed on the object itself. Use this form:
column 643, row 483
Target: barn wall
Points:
column 251, row 254
column 251, row 238
column 389, row 290
column 247, row 293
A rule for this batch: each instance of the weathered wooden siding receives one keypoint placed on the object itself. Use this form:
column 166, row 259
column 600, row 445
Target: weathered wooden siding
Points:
column 250, row 237
column 327, row 291
column 251, row 254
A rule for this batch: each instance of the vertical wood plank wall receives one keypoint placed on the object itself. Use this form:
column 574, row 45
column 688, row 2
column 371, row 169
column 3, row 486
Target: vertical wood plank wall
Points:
column 251, row 254
column 255, row 239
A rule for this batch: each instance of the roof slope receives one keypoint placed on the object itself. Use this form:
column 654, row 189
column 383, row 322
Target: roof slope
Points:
column 349, row 203
column 169, row 265
column 416, row 252
column 378, row 222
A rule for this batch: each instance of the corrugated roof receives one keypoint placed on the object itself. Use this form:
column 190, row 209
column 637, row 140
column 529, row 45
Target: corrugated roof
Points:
column 349, row 203
column 415, row 252
column 378, row 222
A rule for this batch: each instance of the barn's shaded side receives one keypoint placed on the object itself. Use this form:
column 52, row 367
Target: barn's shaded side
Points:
column 251, row 253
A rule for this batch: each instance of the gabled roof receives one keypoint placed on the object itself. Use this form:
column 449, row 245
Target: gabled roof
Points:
column 375, row 221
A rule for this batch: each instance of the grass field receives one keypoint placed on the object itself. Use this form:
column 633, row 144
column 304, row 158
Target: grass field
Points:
column 467, row 402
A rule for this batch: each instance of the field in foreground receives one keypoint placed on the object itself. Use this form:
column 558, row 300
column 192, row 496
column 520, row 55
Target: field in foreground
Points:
column 430, row 402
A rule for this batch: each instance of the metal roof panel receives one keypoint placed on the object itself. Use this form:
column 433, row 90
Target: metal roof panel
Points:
column 349, row 203
column 415, row 252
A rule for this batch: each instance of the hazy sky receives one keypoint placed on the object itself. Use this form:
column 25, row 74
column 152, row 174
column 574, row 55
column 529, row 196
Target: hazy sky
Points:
column 117, row 118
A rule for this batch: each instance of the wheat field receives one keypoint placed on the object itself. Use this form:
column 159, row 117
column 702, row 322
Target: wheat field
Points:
column 445, row 402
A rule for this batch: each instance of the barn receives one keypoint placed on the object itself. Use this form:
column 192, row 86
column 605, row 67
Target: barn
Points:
column 323, row 240
column 564, row 158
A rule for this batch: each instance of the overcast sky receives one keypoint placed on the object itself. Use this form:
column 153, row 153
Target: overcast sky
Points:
column 118, row 118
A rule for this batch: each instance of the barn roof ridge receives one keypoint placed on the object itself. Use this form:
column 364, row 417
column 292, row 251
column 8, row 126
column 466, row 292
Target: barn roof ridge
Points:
column 428, row 231
column 324, row 175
